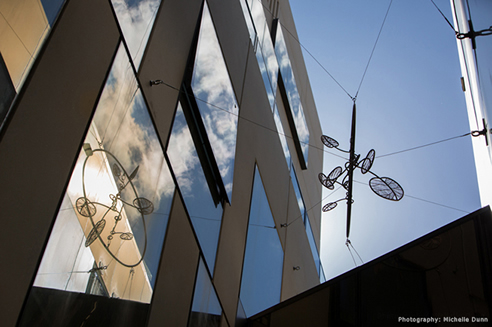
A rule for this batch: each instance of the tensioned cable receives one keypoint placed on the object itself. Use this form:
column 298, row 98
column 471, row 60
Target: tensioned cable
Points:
column 307, row 51
column 422, row 146
column 438, row 204
column 373, row 49
column 353, row 98
column 349, row 243
column 253, row 122
column 312, row 207
column 424, row 200
column 317, row 61
column 355, row 263
column 442, row 14
column 311, row 145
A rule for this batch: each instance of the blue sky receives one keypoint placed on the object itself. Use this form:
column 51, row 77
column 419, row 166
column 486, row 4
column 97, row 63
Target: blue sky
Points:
column 411, row 95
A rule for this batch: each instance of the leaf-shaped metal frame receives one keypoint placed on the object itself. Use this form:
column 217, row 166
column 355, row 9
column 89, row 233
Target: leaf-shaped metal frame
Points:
column 329, row 206
column 386, row 188
column 325, row 181
column 335, row 173
column 366, row 163
column 329, row 142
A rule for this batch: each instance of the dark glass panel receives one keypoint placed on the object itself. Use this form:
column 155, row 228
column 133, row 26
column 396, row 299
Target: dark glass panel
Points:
column 7, row 90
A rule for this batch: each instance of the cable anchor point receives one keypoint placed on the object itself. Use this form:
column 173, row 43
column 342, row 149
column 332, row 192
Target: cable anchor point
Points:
column 482, row 132
column 156, row 82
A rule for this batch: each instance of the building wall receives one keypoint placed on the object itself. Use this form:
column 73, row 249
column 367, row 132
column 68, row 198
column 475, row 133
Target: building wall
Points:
column 442, row 278
column 50, row 117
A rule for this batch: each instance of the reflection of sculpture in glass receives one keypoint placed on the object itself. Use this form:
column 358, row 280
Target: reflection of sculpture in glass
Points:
column 385, row 187
column 119, row 201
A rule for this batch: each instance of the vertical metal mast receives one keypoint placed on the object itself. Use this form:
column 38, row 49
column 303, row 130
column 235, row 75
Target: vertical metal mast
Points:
column 351, row 167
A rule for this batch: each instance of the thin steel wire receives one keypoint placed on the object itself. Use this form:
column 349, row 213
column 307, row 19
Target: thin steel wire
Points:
column 423, row 146
column 442, row 14
column 372, row 53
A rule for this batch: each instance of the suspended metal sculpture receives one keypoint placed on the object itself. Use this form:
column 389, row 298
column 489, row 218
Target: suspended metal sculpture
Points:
column 122, row 199
column 385, row 187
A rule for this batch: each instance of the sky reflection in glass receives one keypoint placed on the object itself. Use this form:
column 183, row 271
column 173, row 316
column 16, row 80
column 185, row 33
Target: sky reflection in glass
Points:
column 205, row 216
column 206, row 309
column 263, row 260
column 265, row 56
column 216, row 100
column 120, row 108
column 297, row 112
column 136, row 18
column 305, row 219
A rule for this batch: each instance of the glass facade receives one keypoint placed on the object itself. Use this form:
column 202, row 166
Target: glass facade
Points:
column 108, row 234
column 267, row 61
column 206, row 309
column 136, row 18
column 263, row 260
column 24, row 25
column 307, row 224
column 205, row 216
column 216, row 101
column 288, row 88
column 132, row 169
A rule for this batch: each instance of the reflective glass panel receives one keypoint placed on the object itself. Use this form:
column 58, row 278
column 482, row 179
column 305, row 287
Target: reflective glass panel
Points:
column 216, row 100
column 297, row 190
column 136, row 18
column 305, row 219
column 265, row 43
column 108, row 235
column 7, row 90
column 312, row 244
column 205, row 216
column 322, row 277
column 24, row 25
column 206, row 309
column 263, row 260
column 267, row 62
column 292, row 94
column 282, row 137
column 249, row 23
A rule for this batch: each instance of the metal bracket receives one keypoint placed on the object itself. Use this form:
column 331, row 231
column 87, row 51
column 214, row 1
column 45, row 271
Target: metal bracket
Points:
column 156, row 82
column 472, row 34
column 483, row 132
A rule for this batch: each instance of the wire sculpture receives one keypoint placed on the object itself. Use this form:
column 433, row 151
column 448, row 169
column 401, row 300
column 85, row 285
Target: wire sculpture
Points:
column 384, row 187
column 89, row 209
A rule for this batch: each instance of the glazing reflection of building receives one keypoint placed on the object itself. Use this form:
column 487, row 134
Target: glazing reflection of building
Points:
column 159, row 162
